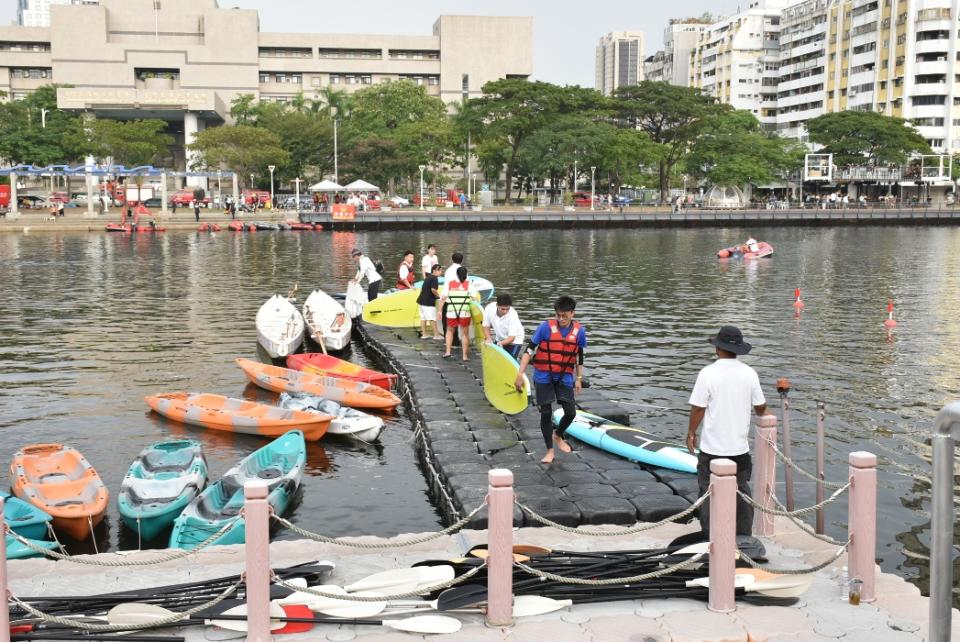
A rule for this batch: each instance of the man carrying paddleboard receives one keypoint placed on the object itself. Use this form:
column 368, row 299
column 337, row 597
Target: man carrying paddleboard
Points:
column 501, row 325
column 722, row 398
column 366, row 269
column 556, row 350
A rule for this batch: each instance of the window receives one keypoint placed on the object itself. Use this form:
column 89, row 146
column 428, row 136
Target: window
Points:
column 935, row 142
column 413, row 54
column 264, row 77
column 335, row 79
column 285, row 52
column 367, row 54
column 928, row 100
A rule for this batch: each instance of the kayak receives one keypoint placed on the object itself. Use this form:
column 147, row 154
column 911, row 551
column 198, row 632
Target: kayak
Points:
column 764, row 250
column 58, row 480
column 236, row 415
column 330, row 366
column 279, row 327
column 630, row 443
column 346, row 421
column 208, row 227
column 266, row 227
column 17, row 550
column 326, row 320
column 280, row 464
column 25, row 519
column 160, row 482
column 236, row 226
column 117, row 227
column 300, row 226
column 350, row 393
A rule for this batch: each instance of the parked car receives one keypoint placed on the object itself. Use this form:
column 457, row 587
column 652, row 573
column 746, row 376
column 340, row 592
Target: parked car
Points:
column 155, row 202
column 290, row 202
column 582, row 199
column 29, row 201
column 621, row 199
column 184, row 197
column 398, row 201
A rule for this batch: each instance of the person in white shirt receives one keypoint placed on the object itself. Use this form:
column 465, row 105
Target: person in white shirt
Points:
column 366, row 269
column 722, row 398
column 456, row 262
column 501, row 325
column 751, row 244
column 429, row 260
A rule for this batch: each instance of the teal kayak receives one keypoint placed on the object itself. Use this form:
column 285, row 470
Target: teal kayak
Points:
column 25, row 519
column 631, row 443
column 17, row 550
column 280, row 464
column 159, row 484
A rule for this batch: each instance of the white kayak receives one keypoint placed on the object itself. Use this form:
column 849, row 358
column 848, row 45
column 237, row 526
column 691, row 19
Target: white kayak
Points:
column 279, row 327
column 327, row 321
column 347, row 421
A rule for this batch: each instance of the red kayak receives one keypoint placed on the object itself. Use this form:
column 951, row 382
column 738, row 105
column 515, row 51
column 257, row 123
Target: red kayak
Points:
column 208, row 227
column 236, row 226
column 300, row 226
column 764, row 250
column 324, row 364
column 116, row 227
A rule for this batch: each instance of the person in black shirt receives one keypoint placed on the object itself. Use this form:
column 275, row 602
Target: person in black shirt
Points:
column 429, row 293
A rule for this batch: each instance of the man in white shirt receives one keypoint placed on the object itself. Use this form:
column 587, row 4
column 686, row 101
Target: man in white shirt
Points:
column 455, row 264
column 428, row 261
column 751, row 244
column 722, row 398
column 366, row 269
column 501, row 325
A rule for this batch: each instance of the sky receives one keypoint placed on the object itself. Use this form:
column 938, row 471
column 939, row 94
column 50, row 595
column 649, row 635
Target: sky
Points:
column 565, row 33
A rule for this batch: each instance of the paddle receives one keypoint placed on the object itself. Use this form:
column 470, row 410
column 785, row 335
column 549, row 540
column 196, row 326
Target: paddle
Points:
column 523, row 606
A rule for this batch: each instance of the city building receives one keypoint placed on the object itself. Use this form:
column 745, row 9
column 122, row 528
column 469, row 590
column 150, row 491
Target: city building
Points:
column 619, row 61
column 672, row 63
column 36, row 13
column 184, row 61
column 737, row 60
column 801, row 91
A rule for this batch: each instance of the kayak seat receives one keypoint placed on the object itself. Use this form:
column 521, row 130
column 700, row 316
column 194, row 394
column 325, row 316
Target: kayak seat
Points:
column 162, row 462
column 269, row 473
column 53, row 478
column 155, row 491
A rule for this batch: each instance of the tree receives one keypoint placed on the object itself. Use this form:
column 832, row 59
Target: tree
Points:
column 671, row 116
column 732, row 149
column 856, row 137
column 242, row 148
column 33, row 131
column 130, row 143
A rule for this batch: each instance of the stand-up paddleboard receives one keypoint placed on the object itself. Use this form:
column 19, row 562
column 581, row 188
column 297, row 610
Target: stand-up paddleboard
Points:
column 476, row 324
column 354, row 300
column 631, row 443
column 484, row 287
column 499, row 373
column 395, row 310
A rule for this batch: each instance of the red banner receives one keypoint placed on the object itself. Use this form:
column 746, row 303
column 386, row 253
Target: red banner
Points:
column 343, row 212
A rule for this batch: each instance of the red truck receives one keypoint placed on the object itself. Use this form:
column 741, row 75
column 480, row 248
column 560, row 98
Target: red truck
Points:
column 184, row 197
column 4, row 197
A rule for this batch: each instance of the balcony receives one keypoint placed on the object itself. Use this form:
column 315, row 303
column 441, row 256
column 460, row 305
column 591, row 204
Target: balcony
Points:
column 867, row 173
column 940, row 45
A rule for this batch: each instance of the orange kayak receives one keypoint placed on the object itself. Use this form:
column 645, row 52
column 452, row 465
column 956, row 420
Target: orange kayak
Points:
column 329, row 366
column 355, row 394
column 236, row 415
column 58, row 480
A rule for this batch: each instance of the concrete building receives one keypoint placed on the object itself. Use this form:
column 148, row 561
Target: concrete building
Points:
column 184, row 61
column 36, row 13
column 737, row 60
column 672, row 63
column 619, row 61
column 803, row 64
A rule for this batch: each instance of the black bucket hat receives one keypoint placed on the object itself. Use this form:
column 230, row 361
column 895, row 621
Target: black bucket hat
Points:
column 730, row 339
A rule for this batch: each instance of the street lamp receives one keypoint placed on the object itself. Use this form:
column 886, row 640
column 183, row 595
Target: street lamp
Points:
column 43, row 117
column 271, row 168
column 593, row 190
column 219, row 191
column 422, row 167
column 297, row 182
column 336, row 165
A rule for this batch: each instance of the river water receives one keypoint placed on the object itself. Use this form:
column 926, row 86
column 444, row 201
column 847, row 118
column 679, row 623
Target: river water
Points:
column 91, row 323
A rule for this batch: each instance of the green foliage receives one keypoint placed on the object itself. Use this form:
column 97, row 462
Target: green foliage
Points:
column 130, row 143
column 25, row 139
column 856, row 137
column 733, row 150
column 245, row 149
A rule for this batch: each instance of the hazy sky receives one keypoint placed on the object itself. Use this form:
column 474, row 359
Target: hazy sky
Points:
column 565, row 34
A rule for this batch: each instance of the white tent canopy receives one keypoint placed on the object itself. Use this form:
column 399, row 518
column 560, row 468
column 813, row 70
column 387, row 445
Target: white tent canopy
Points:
column 361, row 186
column 326, row 186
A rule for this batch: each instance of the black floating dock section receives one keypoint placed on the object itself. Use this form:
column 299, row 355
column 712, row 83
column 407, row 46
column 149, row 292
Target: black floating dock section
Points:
column 460, row 437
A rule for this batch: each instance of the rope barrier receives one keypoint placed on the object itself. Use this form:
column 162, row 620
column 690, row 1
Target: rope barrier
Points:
column 797, row 467
column 616, row 580
column 797, row 571
column 168, row 557
column 383, row 598
column 376, row 546
column 645, row 526
column 801, row 511
column 86, row 626
column 806, row 527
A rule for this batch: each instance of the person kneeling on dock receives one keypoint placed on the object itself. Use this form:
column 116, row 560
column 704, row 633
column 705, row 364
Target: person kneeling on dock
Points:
column 556, row 350
column 501, row 325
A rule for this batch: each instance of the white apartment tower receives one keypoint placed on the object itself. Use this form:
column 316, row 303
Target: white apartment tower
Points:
column 679, row 40
column 36, row 13
column 801, row 91
column 619, row 61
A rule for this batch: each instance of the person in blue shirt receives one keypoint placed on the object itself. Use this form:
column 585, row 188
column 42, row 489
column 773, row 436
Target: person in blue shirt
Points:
column 556, row 351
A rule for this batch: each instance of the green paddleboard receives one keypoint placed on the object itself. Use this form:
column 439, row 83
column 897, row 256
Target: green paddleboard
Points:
column 499, row 373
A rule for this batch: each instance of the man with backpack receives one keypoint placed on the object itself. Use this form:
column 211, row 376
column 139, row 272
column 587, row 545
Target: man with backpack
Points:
column 366, row 269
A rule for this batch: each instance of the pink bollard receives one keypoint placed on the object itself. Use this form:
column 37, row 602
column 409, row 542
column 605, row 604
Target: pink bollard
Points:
column 256, row 515
column 5, row 616
column 862, row 523
column 764, row 473
column 723, row 535
column 500, row 545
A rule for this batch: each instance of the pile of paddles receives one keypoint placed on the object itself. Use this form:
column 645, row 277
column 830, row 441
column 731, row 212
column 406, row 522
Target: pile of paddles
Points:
column 294, row 611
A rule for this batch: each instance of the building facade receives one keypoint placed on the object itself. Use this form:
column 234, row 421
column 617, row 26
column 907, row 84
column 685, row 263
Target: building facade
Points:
column 184, row 61
column 672, row 63
column 36, row 13
column 619, row 61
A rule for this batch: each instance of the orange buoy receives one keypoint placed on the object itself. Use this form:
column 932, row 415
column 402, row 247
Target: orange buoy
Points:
column 797, row 302
column 890, row 323
column 723, row 254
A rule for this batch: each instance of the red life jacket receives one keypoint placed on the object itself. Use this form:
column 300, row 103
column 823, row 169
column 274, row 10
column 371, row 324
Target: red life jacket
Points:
column 407, row 283
column 558, row 354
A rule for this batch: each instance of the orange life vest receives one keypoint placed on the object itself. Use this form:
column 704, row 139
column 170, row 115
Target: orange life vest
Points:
column 558, row 354
column 407, row 283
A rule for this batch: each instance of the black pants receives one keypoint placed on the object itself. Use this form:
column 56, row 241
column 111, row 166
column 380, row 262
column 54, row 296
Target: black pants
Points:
column 744, row 510
column 373, row 290
column 547, row 394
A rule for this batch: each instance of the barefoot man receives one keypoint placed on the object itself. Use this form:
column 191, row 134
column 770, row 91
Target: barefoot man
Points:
column 556, row 350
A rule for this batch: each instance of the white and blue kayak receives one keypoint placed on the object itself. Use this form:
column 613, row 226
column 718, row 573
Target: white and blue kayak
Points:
column 484, row 287
column 630, row 443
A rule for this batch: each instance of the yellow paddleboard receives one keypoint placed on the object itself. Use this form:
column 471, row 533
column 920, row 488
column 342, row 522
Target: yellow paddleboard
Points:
column 395, row 310
column 499, row 373
column 476, row 324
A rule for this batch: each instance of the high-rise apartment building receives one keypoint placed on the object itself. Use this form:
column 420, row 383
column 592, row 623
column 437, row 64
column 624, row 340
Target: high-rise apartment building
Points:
column 672, row 63
column 803, row 65
column 36, row 13
column 619, row 60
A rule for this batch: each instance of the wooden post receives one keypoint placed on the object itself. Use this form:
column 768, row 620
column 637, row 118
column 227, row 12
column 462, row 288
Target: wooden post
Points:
column 862, row 522
column 256, row 514
column 723, row 535
column 765, row 473
column 500, row 544
column 5, row 615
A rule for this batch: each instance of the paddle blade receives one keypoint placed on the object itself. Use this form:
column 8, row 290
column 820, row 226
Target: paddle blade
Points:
column 460, row 596
column 433, row 575
column 527, row 605
column 295, row 611
column 136, row 613
column 276, row 611
column 426, row 624
column 349, row 609
column 315, row 602
column 386, row 580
